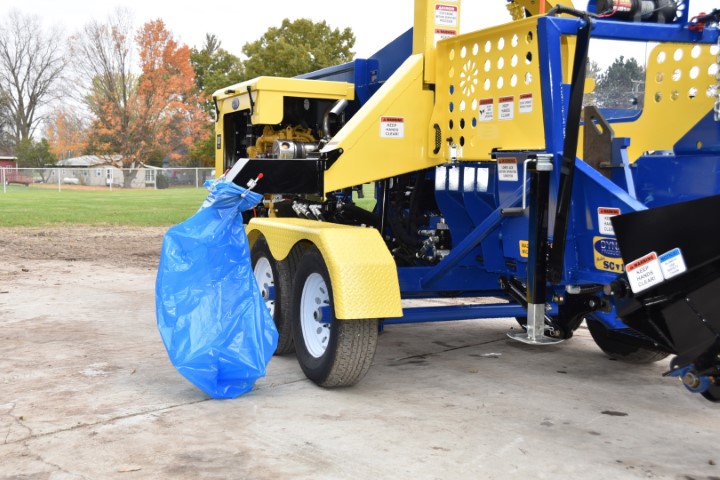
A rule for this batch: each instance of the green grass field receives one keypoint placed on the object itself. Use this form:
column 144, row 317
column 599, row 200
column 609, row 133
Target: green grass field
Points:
column 31, row 206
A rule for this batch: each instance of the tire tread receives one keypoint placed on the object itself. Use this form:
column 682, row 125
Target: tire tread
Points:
column 353, row 342
column 623, row 352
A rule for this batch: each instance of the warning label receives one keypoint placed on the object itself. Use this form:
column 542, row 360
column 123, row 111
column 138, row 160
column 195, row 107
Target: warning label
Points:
column 604, row 215
column 672, row 263
column 487, row 110
column 392, row 127
column 506, row 108
column 525, row 103
column 443, row 33
column 507, row 169
column 606, row 254
column 446, row 15
column 644, row 273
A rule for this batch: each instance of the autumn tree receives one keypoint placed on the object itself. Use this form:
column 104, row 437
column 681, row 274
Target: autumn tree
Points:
column 297, row 47
column 32, row 62
column 173, row 111
column 107, row 85
column 138, row 116
column 66, row 133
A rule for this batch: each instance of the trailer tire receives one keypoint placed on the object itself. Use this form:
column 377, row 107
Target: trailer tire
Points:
column 713, row 393
column 334, row 353
column 622, row 351
column 273, row 276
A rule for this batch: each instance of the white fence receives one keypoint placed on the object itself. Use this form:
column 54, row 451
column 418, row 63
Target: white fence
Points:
column 104, row 177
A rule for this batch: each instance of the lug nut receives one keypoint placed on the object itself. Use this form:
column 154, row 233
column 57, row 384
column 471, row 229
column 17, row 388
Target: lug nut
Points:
column 691, row 380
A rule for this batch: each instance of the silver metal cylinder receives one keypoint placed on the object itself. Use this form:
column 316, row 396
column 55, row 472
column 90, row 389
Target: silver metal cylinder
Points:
column 289, row 149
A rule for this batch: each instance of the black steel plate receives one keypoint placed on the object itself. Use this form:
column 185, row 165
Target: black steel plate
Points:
column 295, row 176
column 693, row 227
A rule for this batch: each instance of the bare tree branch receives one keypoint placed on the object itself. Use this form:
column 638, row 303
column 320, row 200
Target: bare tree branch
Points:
column 31, row 67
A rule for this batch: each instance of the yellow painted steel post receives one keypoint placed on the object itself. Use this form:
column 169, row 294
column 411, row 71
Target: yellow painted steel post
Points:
column 434, row 20
column 219, row 142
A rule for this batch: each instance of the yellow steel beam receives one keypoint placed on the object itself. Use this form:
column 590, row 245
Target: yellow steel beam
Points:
column 434, row 20
column 389, row 135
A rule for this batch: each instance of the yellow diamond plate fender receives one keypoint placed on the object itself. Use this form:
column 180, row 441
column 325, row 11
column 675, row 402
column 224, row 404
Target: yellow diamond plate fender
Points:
column 362, row 272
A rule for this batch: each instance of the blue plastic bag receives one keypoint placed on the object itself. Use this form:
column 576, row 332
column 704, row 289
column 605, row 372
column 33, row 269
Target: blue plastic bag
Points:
column 212, row 318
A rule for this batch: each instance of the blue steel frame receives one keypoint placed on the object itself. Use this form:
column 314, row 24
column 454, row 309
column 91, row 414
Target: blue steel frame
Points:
column 457, row 271
column 369, row 74
column 482, row 230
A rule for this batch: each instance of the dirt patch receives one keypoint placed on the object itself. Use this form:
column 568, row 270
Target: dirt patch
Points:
column 111, row 246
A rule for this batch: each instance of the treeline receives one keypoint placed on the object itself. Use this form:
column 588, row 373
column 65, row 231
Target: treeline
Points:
column 135, row 94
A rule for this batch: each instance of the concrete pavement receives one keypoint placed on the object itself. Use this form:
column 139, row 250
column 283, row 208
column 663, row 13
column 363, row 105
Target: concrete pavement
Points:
column 87, row 392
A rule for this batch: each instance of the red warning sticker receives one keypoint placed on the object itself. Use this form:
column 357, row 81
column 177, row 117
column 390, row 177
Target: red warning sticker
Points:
column 446, row 15
column 392, row 127
column 604, row 215
column 506, row 108
column 525, row 103
column 645, row 272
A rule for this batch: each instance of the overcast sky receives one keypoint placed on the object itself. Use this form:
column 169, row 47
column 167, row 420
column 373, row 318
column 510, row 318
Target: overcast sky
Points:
column 235, row 23
column 374, row 22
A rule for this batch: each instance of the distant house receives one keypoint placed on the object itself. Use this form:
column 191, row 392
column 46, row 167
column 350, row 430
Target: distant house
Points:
column 93, row 170
column 7, row 160
column 11, row 173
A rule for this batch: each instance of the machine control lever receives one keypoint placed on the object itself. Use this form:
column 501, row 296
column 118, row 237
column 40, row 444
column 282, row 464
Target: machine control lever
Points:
column 544, row 164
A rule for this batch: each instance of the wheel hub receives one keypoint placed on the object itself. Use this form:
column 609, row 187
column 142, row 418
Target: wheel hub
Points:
column 265, row 280
column 316, row 333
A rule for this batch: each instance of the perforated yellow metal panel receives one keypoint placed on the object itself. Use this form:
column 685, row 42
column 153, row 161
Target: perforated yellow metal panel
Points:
column 488, row 90
column 679, row 91
column 362, row 272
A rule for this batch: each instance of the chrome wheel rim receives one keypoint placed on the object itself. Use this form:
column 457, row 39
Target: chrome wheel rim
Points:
column 264, row 278
column 316, row 331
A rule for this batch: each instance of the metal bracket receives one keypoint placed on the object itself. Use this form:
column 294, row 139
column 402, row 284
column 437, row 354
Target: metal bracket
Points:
column 535, row 330
column 544, row 163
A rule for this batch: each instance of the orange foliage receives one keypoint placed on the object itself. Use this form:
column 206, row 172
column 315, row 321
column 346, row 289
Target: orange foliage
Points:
column 159, row 112
column 66, row 135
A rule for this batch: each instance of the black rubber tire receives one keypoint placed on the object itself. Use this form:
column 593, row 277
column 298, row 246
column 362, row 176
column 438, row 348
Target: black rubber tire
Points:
column 351, row 343
column 622, row 351
column 713, row 393
column 282, row 273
